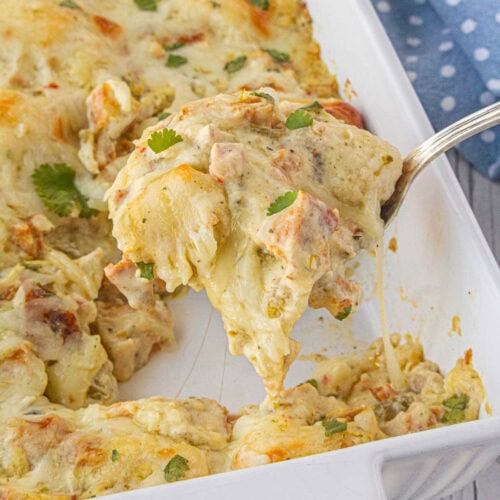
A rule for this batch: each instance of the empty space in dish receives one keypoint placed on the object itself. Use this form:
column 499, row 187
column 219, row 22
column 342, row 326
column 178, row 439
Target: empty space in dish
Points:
column 441, row 270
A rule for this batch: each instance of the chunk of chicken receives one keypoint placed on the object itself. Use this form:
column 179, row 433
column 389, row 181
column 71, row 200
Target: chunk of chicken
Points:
column 112, row 112
column 131, row 335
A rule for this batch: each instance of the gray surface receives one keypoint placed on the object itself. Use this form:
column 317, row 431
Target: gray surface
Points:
column 484, row 197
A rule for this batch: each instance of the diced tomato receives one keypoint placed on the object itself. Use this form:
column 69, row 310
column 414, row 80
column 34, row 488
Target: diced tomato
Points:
column 345, row 112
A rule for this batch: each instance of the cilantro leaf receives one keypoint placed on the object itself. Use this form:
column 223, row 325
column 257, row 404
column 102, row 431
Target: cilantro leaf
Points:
column 146, row 4
column 261, row 4
column 115, row 455
column 55, row 185
column 146, row 270
column 282, row 202
column 455, row 416
column 277, row 55
column 235, row 64
column 343, row 314
column 30, row 266
column 164, row 139
column 175, row 46
column 263, row 95
column 457, row 402
column 313, row 382
column 164, row 115
column 176, row 468
column 333, row 426
column 314, row 106
column 174, row 61
column 298, row 119
column 69, row 4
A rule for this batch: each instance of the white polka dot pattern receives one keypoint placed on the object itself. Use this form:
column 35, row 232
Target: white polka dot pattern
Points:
column 412, row 75
column 448, row 70
column 383, row 7
column 481, row 54
column 488, row 136
column 446, row 46
column 486, row 98
column 448, row 103
column 493, row 85
column 413, row 41
column 468, row 26
column 451, row 53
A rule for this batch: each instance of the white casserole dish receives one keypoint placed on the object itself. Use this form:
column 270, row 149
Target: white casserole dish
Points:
column 443, row 268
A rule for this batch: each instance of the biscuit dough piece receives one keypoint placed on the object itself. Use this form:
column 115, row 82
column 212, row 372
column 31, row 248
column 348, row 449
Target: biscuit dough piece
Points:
column 50, row 303
column 198, row 214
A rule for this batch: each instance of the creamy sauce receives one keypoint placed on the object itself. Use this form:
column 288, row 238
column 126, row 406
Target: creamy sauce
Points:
column 238, row 156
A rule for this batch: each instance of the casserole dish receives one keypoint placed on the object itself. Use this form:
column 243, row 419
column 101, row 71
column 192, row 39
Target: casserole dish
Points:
column 442, row 269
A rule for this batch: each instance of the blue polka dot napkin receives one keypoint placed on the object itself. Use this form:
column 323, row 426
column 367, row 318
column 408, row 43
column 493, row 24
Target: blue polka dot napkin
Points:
column 451, row 52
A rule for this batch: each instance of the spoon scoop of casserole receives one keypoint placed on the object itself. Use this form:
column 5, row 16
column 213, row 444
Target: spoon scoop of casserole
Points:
column 261, row 202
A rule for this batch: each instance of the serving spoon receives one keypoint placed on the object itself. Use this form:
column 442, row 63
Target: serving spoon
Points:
column 439, row 143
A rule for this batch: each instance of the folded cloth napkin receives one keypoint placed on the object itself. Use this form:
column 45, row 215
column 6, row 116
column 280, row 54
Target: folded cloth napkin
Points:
column 451, row 52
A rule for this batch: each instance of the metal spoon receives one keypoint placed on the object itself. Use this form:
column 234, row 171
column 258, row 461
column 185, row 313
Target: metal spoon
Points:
column 439, row 143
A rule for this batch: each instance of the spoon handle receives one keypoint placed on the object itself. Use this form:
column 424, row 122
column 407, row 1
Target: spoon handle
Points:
column 438, row 144
column 453, row 135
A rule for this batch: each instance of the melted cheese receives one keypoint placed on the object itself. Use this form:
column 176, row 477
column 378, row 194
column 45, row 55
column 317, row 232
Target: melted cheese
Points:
column 79, row 86
column 395, row 374
column 102, row 450
column 197, row 211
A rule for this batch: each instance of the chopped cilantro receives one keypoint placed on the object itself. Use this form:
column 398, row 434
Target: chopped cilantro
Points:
column 343, row 314
column 455, row 416
column 457, row 405
column 282, row 202
column 261, row 4
column 456, row 402
column 30, row 267
column 333, row 426
column 263, row 95
column 146, row 270
column 235, row 64
column 277, row 55
column 174, row 61
column 164, row 115
column 164, row 139
column 176, row 469
column 146, row 4
column 314, row 106
column 55, row 185
column 175, row 46
column 298, row 119
column 69, row 4
column 313, row 382
column 115, row 455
